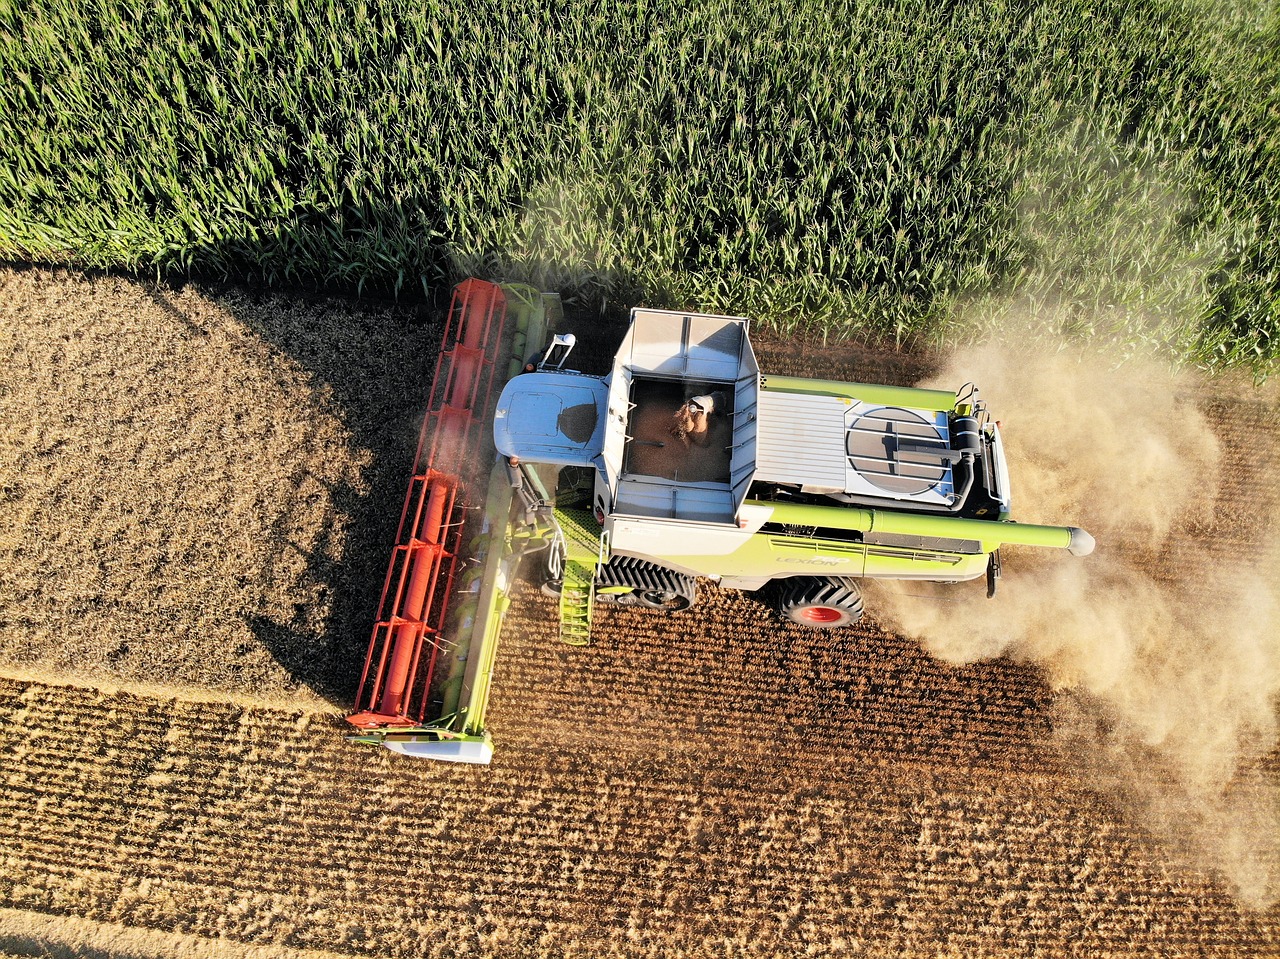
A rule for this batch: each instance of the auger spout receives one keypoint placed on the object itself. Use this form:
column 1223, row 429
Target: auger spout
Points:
column 1071, row 538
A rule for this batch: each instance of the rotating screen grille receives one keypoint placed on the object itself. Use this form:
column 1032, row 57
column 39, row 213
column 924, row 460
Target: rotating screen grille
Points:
column 898, row 450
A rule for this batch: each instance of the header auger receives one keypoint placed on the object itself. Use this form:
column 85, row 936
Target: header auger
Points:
column 683, row 462
column 425, row 682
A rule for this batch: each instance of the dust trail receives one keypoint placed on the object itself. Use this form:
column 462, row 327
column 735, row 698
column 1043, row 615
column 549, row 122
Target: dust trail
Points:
column 1164, row 645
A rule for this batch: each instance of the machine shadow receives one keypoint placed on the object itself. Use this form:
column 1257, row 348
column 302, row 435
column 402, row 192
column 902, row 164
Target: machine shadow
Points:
column 371, row 362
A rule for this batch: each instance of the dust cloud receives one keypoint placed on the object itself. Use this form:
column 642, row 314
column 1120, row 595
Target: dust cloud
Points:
column 1163, row 646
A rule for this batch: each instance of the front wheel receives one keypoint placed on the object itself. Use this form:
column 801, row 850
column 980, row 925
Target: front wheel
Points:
column 821, row 602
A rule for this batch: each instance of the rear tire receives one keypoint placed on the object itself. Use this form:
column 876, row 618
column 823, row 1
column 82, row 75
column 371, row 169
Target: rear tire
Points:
column 821, row 602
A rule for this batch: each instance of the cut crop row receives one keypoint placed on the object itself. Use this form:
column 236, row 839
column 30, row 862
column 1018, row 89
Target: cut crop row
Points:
column 213, row 833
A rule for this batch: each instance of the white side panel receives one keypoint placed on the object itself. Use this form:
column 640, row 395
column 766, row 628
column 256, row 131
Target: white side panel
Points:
column 690, row 346
column 667, row 499
column 746, row 423
column 615, row 429
column 800, row 439
column 447, row 750
column 1002, row 471
column 671, row 541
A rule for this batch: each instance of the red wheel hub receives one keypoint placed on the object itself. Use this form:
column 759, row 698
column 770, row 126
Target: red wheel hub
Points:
column 820, row 614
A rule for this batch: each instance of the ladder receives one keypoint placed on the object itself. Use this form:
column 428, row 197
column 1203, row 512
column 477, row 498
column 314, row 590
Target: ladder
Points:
column 583, row 548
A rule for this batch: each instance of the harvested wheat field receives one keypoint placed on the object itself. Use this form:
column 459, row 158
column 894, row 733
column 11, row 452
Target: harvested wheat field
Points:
column 200, row 487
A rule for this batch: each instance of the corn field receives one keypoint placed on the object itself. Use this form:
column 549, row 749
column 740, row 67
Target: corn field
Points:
column 908, row 172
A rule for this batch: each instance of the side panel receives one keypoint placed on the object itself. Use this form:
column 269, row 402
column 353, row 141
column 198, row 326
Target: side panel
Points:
column 615, row 434
column 1001, row 472
column 700, row 549
column 686, row 346
column 746, row 412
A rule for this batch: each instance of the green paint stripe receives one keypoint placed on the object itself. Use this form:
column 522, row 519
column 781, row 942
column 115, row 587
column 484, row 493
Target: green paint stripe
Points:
column 990, row 533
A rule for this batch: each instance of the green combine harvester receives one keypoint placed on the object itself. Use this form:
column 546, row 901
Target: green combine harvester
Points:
column 683, row 462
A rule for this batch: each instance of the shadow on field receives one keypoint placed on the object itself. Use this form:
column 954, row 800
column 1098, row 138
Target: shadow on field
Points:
column 371, row 363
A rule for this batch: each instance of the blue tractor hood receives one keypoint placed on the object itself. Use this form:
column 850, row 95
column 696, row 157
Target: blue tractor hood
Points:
column 552, row 417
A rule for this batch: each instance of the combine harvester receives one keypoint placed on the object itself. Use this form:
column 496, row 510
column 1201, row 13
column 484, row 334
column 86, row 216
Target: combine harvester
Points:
column 683, row 462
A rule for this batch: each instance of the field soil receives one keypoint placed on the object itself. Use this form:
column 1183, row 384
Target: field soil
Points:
column 198, row 490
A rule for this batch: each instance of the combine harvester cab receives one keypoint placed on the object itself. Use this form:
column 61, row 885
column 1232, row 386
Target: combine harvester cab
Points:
column 425, row 685
column 701, row 466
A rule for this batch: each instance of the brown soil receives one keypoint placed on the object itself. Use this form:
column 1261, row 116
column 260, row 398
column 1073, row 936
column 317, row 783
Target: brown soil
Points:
column 199, row 489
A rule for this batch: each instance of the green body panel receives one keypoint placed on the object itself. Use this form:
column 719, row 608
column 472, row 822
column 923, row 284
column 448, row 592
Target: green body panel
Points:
column 492, row 602
column 759, row 557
